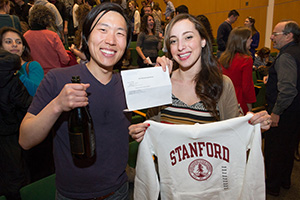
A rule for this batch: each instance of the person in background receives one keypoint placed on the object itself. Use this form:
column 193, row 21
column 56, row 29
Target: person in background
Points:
column 148, row 44
column 45, row 45
column 263, row 61
column 75, row 7
column 156, row 12
column 283, row 97
column 144, row 3
column 150, row 3
column 224, row 31
column 149, row 10
column 195, row 98
column 169, row 9
column 181, row 9
column 21, row 9
column 204, row 20
column 62, row 9
column 75, row 48
column 14, row 100
column 249, row 22
column 31, row 72
column 134, row 16
column 6, row 19
column 106, row 34
column 237, row 65
column 58, row 24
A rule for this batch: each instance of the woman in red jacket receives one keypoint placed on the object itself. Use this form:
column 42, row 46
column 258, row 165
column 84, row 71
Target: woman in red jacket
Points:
column 237, row 63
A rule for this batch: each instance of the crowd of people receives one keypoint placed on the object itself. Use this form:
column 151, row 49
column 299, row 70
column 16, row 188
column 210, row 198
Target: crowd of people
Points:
column 37, row 63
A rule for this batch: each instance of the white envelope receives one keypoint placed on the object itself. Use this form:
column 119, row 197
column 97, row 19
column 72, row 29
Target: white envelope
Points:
column 146, row 88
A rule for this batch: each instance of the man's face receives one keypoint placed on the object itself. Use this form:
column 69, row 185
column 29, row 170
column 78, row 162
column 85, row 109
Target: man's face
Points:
column 147, row 10
column 278, row 38
column 233, row 19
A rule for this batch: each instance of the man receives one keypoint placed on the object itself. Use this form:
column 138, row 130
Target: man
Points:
column 224, row 31
column 102, row 91
column 169, row 9
column 181, row 9
column 283, row 100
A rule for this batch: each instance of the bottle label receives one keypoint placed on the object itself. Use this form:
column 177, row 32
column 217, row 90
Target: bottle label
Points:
column 77, row 146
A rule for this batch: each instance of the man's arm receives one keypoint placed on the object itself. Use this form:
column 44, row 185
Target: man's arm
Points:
column 286, row 69
column 35, row 128
column 220, row 38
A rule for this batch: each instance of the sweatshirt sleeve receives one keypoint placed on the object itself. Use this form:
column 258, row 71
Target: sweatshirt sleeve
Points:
column 146, row 185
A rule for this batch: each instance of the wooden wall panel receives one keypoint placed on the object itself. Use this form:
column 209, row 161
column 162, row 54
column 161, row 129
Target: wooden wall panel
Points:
column 253, row 3
column 224, row 5
column 286, row 10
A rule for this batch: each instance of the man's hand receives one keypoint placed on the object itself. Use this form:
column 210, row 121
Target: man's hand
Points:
column 275, row 120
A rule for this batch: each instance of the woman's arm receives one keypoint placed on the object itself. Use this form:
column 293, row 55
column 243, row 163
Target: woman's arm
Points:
column 34, row 78
column 255, row 40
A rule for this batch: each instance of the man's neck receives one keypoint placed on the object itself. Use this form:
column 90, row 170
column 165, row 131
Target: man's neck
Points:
column 228, row 21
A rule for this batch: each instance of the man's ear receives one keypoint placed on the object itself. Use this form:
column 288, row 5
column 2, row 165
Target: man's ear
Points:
column 290, row 36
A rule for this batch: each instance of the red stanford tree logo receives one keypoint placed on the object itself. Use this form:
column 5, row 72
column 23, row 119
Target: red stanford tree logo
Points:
column 200, row 169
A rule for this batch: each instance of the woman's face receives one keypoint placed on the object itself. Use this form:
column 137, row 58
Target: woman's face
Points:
column 247, row 23
column 186, row 44
column 12, row 43
column 107, row 42
column 150, row 23
column 248, row 43
column 131, row 6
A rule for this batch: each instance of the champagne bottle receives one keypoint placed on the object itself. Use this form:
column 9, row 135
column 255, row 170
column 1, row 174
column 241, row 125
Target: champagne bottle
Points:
column 81, row 135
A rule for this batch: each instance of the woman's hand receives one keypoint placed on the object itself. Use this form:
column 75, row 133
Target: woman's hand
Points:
column 137, row 131
column 72, row 95
column 263, row 118
column 165, row 63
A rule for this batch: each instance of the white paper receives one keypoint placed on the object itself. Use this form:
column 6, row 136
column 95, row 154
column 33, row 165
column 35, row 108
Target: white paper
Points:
column 146, row 88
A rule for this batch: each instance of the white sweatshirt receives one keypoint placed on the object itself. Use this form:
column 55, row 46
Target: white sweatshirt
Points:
column 201, row 161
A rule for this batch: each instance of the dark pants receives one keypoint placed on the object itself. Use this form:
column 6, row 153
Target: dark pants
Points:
column 121, row 194
column 279, row 151
column 12, row 171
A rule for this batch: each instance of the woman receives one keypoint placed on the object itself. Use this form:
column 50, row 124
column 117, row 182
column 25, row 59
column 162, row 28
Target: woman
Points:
column 249, row 22
column 106, row 34
column 237, row 63
column 45, row 45
column 198, row 85
column 134, row 16
column 148, row 44
column 263, row 61
column 31, row 72
column 6, row 19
